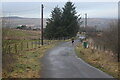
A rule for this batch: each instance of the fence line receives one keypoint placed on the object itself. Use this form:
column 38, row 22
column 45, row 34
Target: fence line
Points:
column 26, row 45
column 99, row 47
column 7, row 47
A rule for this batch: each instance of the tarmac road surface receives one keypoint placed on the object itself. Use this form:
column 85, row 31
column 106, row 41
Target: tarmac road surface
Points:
column 62, row 62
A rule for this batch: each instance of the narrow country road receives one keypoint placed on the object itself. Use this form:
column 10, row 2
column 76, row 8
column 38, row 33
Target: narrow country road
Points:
column 62, row 62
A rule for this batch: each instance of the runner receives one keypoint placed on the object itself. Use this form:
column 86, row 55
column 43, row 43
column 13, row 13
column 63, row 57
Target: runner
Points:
column 72, row 41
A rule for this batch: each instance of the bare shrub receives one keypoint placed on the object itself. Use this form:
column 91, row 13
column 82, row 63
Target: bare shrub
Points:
column 108, row 38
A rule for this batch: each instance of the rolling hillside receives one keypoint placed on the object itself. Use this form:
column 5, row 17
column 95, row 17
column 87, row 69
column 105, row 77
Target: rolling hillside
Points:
column 15, row 21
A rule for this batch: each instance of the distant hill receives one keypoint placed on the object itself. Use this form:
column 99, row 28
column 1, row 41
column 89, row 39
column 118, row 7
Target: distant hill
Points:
column 100, row 23
column 12, row 17
column 14, row 21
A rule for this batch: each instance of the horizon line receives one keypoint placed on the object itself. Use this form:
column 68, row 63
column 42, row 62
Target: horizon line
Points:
column 49, row 17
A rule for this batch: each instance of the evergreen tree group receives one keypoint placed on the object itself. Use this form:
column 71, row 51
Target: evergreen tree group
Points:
column 63, row 23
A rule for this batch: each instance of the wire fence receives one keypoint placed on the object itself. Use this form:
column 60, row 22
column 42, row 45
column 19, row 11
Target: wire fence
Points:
column 99, row 47
column 15, row 48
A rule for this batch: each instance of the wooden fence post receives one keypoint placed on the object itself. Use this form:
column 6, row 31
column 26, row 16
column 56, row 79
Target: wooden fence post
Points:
column 21, row 46
column 9, row 49
column 27, row 44
column 32, row 44
column 15, row 48
column 97, row 47
column 100, row 48
column 39, row 42
column 35, row 44
column 104, row 48
column 4, row 49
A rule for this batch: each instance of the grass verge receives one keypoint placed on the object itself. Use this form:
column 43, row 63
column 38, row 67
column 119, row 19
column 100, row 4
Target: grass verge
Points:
column 99, row 59
column 26, row 63
column 20, row 34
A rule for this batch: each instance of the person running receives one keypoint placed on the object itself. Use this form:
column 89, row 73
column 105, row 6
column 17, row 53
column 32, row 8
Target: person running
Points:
column 72, row 41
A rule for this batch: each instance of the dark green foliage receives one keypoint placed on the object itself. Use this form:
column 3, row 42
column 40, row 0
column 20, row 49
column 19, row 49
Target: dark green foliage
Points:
column 54, row 24
column 22, row 27
column 18, row 27
column 70, row 20
column 62, row 23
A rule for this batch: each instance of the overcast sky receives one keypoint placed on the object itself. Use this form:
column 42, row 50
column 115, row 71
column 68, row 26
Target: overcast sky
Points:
column 32, row 9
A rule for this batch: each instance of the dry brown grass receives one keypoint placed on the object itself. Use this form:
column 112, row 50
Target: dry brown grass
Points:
column 102, row 60
column 28, row 63
column 20, row 34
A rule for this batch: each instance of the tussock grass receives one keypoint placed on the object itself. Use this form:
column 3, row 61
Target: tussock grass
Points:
column 102, row 60
column 27, row 63
column 20, row 34
column 21, row 53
